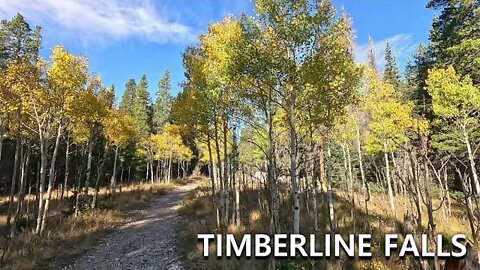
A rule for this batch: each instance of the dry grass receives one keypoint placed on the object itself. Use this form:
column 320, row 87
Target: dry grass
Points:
column 197, row 208
column 68, row 236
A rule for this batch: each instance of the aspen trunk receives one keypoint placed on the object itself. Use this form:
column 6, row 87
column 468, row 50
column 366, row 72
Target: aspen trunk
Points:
column 468, row 202
column 449, row 203
column 152, row 175
column 389, row 184
column 14, row 179
column 315, row 177
column 225, row 173
column 89, row 165
column 219, row 173
column 129, row 174
column 331, row 210
column 212, row 178
column 113, row 183
column 293, row 166
column 51, row 177
column 147, row 171
column 21, row 192
column 40, row 189
column 65, row 180
column 346, row 174
column 169, row 167
column 366, row 191
column 413, row 187
column 235, row 181
column 428, row 201
column 271, row 177
column 350, row 174
column 471, row 158
column 99, row 174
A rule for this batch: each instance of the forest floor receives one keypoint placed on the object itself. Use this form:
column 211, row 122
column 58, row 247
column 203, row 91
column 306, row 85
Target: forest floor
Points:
column 197, row 211
column 148, row 240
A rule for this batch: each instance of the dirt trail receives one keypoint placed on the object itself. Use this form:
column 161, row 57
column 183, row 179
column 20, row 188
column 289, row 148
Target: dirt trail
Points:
column 148, row 241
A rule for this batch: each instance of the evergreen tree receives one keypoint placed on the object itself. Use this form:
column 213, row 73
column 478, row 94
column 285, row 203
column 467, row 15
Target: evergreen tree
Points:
column 415, row 76
column 161, row 108
column 17, row 39
column 455, row 36
column 142, row 108
column 129, row 96
column 391, row 74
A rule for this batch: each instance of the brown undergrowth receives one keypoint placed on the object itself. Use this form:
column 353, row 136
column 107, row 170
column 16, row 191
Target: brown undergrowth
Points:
column 197, row 208
column 67, row 236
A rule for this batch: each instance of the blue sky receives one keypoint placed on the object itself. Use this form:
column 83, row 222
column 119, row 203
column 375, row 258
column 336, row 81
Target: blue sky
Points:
column 125, row 39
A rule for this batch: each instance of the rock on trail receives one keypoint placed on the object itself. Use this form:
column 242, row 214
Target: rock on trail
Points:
column 147, row 241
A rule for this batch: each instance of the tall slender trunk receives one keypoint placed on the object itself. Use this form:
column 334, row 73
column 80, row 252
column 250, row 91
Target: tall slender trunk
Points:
column 157, row 174
column 331, row 210
column 236, row 182
column 471, row 158
column 447, row 190
column 212, row 178
column 415, row 188
column 113, row 183
column 350, row 174
column 51, row 177
column 293, row 165
column 468, row 203
column 13, row 182
column 129, row 173
column 389, row 184
column 428, row 200
column 169, row 176
column 147, row 171
column 21, row 192
column 164, row 168
column 99, row 174
column 395, row 185
column 315, row 177
column 345, row 172
column 366, row 191
column 152, row 175
column 219, row 174
column 41, row 167
column 271, row 177
column 89, row 165
column 225, row 171
column 67, row 170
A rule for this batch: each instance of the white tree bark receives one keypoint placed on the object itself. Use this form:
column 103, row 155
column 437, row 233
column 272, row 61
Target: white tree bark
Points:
column 113, row 180
column 293, row 166
column 389, row 184
column 51, row 177
column 331, row 210
column 89, row 165
column 472, row 162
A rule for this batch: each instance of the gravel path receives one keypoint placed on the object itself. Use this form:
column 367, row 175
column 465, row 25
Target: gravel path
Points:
column 147, row 241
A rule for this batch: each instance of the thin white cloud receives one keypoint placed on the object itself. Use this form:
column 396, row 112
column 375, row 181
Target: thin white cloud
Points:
column 101, row 20
column 402, row 47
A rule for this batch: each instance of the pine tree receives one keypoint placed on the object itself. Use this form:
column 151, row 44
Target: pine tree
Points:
column 391, row 73
column 142, row 108
column 161, row 108
column 17, row 39
column 455, row 36
column 415, row 76
column 129, row 96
